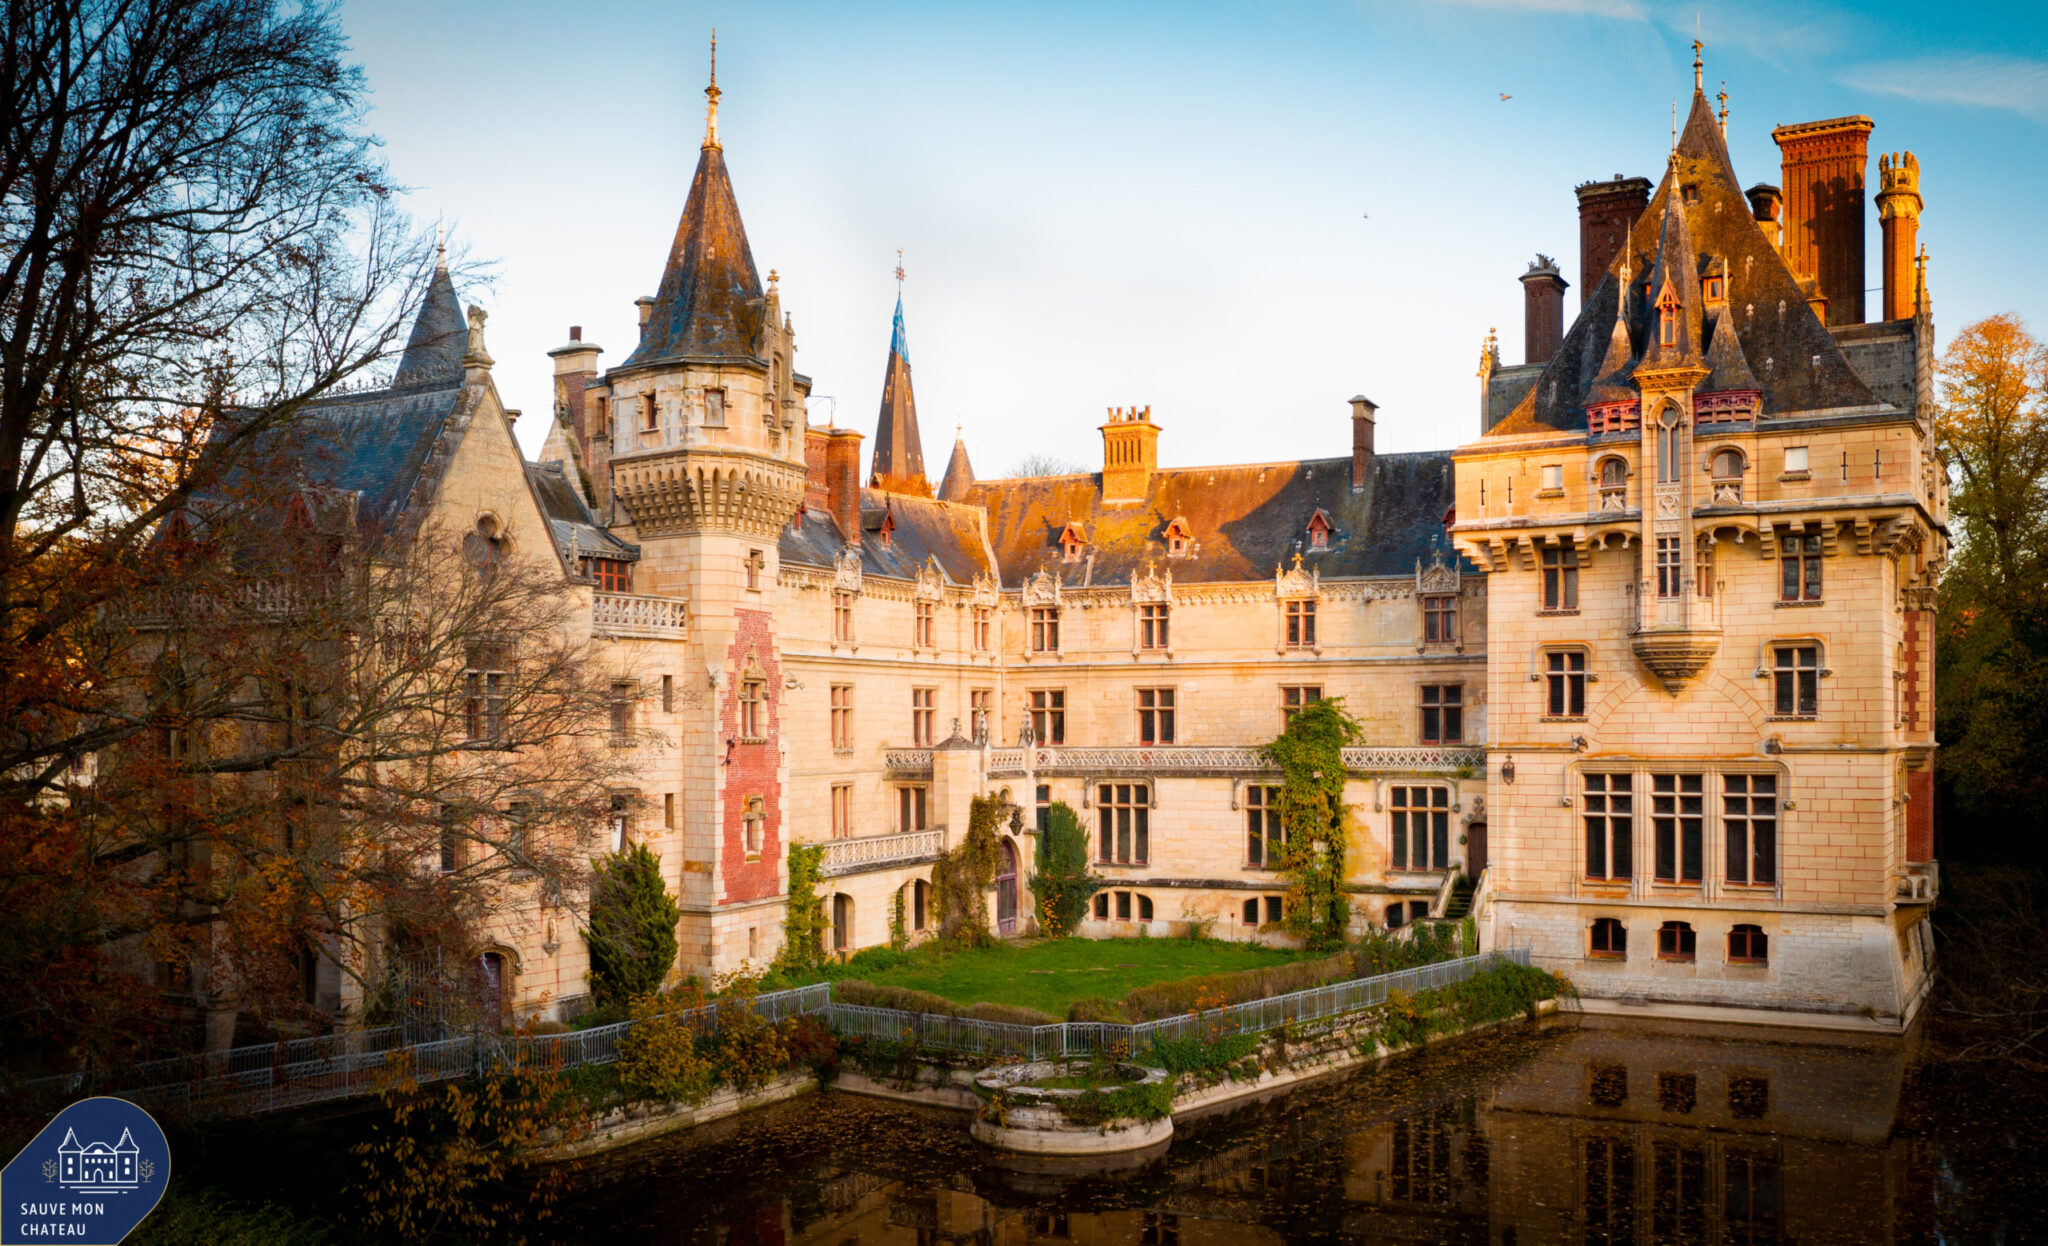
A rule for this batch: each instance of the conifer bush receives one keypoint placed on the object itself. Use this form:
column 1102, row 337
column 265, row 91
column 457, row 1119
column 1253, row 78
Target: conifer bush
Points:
column 632, row 931
column 1063, row 882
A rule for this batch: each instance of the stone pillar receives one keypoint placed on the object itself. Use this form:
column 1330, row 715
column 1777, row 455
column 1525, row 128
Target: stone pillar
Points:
column 956, row 781
column 1822, row 168
column 1898, row 214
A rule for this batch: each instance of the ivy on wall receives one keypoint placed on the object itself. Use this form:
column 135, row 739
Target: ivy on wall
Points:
column 803, row 919
column 1310, row 756
column 962, row 877
column 1062, row 883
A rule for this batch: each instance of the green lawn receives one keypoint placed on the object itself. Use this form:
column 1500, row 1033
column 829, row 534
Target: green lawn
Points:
column 1050, row 974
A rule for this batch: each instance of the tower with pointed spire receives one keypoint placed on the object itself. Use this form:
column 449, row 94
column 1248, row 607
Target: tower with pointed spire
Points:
column 899, row 452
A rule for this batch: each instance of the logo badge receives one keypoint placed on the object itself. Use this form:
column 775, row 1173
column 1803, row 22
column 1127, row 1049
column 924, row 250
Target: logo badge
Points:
column 90, row 1176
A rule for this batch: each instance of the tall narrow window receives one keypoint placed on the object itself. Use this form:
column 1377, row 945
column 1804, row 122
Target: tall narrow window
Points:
column 1420, row 824
column 1042, row 798
column 1045, row 629
column 981, row 712
column 910, row 808
column 1667, row 566
column 650, row 412
column 1124, row 823
column 1678, row 816
column 622, row 821
column 842, row 810
column 1301, row 624
column 842, row 716
column 1799, row 568
column 487, row 687
column 1565, row 673
column 1294, row 697
column 1703, row 569
column 1614, row 485
column 1443, row 713
column 1049, row 716
column 451, row 844
column 1263, row 834
column 668, row 694
column 924, row 625
column 753, row 709
column 624, row 692
column 1155, row 716
column 923, row 716
column 1561, row 575
column 668, row 811
column 1439, row 618
column 842, row 617
column 982, row 628
column 1749, row 824
column 1609, row 814
column 756, row 563
column 1152, row 627
column 1795, row 681
column 1670, row 446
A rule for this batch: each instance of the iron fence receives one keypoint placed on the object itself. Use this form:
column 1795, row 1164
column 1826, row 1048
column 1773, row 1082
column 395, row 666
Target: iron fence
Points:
column 274, row 1076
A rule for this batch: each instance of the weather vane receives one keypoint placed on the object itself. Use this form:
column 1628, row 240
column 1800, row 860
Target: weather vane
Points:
column 899, row 270
column 1698, row 78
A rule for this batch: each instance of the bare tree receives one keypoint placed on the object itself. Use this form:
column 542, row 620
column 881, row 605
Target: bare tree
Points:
column 1035, row 465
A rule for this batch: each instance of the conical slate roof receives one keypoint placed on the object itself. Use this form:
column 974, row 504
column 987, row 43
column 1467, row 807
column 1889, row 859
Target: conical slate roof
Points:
column 959, row 475
column 899, row 454
column 1793, row 357
column 709, row 304
column 440, row 337
column 1726, row 367
column 1674, row 285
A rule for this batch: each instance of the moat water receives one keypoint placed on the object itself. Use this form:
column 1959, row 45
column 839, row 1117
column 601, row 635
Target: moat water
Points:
column 1580, row 1131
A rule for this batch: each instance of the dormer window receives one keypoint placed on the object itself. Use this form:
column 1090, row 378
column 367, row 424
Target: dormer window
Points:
column 1177, row 535
column 1319, row 530
column 1667, row 317
column 887, row 530
column 1690, row 193
column 1071, row 541
column 1714, row 289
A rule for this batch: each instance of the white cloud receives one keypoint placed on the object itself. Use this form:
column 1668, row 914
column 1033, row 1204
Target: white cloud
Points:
column 1974, row 81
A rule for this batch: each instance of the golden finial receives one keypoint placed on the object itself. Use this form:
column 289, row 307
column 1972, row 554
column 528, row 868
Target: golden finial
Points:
column 899, row 272
column 1723, row 97
column 440, row 246
column 1698, row 65
column 711, row 93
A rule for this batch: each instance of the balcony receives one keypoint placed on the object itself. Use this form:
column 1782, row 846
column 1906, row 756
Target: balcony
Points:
column 875, row 852
column 626, row 614
column 1091, row 762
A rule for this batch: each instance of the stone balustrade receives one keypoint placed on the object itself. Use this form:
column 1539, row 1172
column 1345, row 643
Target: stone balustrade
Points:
column 626, row 614
column 851, row 856
column 1069, row 761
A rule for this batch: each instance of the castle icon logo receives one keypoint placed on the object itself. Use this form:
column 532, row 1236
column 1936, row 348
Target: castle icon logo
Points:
column 90, row 1176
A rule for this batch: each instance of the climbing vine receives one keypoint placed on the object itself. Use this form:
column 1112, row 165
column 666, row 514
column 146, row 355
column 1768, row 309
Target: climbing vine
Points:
column 1310, row 755
column 961, row 878
column 803, row 921
column 1062, row 881
column 899, row 937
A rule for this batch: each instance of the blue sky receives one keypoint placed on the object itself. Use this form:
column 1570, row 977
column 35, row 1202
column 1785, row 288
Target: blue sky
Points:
column 1238, row 213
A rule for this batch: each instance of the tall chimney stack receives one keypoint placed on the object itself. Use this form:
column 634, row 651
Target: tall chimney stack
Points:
column 575, row 370
column 1542, row 310
column 1822, row 165
column 1362, row 409
column 1898, row 214
column 1766, row 204
column 1607, row 211
column 1130, row 454
column 842, row 478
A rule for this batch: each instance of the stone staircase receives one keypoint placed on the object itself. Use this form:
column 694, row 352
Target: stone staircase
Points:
column 1460, row 902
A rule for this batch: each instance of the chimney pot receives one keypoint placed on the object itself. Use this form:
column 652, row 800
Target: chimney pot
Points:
column 1607, row 211
column 646, row 305
column 1543, row 290
column 1898, row 214
column 1362, row 412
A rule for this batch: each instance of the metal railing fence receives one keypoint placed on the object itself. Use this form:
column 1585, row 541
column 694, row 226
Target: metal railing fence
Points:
column 274, row 1076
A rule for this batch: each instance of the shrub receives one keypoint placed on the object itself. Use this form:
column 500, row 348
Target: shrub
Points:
column 748, row 1050
column 962, row 877
column 874, row 960
column 659, row 1057
column 1310, row 755
column 1171, row 999
column 803, row 916
column 1008, row 1014
column 1099, row 1008
column 812, row 1046
column 867, row 994
column 632, row 932
column 1062, row 883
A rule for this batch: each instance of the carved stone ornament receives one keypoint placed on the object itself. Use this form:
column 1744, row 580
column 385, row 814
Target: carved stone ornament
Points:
column 846, row 570
column 985, row 593
column 1676, row 655
column 1152, row 588
column 1295, row 582
column 1436, row 578
column 1042, row 589
column 931, row 585
column 476, row 351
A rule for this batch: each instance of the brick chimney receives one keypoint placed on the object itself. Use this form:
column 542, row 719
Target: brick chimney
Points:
column 1607, row 211
column 834, row 472
column 1822, row 165
column 1898, row 214
column 1362, row 409
column 1767, row 204
column 575, row 369
column 1542, row 310
column 1130, row 454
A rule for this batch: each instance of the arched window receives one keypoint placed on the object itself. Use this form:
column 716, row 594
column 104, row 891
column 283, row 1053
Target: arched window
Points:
column 1670, row 445
column 1676, row 941
column 1610, row 938
column 1613, row 484
column 486, row 545
column 1726, row 470
column 1747, row 945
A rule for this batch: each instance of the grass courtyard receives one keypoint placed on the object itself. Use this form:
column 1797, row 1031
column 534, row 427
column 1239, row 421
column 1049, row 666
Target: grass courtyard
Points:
column 1050, row 974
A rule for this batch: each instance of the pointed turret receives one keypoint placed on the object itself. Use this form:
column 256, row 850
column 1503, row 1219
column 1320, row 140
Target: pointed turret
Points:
column 959, row 474
column 439, row 338
column 899, row 455
column 1674, row 296
column 709, row 304
column 1727, row 367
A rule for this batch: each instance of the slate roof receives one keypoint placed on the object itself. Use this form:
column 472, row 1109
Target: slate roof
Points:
column 574, row 525
column 923, row 528
column 709, row 304
column 388, row 447
column 959, row 474
column 899, row 452
column 1245, row 521
column 439, row 339
column 1793, row 357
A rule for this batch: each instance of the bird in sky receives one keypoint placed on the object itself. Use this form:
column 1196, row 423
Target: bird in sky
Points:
column 1505, row 97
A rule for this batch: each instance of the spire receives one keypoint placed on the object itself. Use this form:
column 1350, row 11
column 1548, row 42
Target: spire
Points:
column 709, row 303
column 712, row 93
column 1723, row 97
column 1727, row 366
column 1675, row 319
column 1699, row 66
column 899, row 455
column 439, row 338
column 959, row 473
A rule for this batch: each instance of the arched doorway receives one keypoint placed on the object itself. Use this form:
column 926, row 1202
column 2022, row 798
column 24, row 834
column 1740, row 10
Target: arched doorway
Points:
column 1006, row 890
column 842, row 921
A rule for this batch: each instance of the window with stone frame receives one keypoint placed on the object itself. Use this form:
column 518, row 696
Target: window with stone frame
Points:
column 1749, row 828
column 1294, row 698
column 753, row 709
column 1703, row 569
column 650, row 413
column 1439, row 618
column 1607, row 811
column 842, row 716
column 613, row 575
column 1419, row 822
column 1049, row 715
column 923, row 716
column 924, row 625
column 757, row 562
column 1155, row 716
column 621, row 821
column 1610, row 937
column 1747, row 945
column 981, row 713
column 1725, row 473
column 1564, row 676
column 1795, row 681
column 1668, row 578
column 754, row 825
column 625, row 695
column 1045, row 629
column 842, row 810
column 1152, row 624
column 1443, row 713
column 1614, row 484
column 1264, row 836
column 714, row 408
column 1799, row 568
column 911, row 805
column 1678, row 807
column 1676, row 941
column 842, row 616
column 487, row 688
column 1123, row 823
column 453, row 843
column 1301, row 623
column 981, row 628
column 1561, row 575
